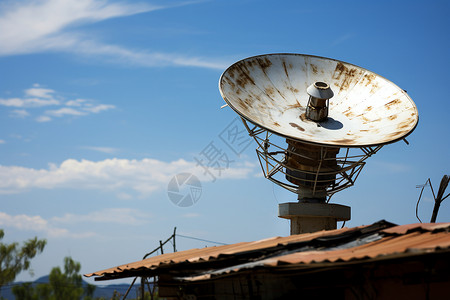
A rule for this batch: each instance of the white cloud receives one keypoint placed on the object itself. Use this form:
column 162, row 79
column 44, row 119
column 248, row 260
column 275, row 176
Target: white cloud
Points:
column 38, row 224
column 117, row 54
column 42, row 119
column 32, row 26
column 19, row 113
column 2, row 142
column 142, row 177
column 65, row 111
column 41, row 26
column 39, row 92
column 98, row 108
column 28, row 102
column 77, row 102
column 38, row 97
column 123, row 216
column 191, row 215
column 108, row 150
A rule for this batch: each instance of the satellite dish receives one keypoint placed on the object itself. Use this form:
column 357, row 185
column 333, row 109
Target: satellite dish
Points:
column 315, row 120
column 270, row 91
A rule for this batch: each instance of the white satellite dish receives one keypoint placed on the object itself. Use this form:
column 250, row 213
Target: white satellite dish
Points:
column 319, row 106
column 271, row 91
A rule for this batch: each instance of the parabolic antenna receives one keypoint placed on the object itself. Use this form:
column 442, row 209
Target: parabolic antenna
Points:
column 315, row 120
column 271, row 91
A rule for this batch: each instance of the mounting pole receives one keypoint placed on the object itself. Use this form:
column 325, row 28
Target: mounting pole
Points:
column 440, row 197
column 312, row 217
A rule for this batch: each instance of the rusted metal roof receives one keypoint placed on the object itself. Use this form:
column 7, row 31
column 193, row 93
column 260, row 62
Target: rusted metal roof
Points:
column 381, row 240
column 270, row 91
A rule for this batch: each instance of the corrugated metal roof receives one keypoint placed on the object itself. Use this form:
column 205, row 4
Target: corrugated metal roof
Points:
column 381, row 240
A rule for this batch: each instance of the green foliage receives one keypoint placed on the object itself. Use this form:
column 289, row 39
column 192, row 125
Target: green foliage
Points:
column 25, row 292
column 15, row 259
column 67, row 285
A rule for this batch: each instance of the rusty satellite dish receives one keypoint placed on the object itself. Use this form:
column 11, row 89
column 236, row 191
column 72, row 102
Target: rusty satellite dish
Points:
column 366, row 109
column 315, row 120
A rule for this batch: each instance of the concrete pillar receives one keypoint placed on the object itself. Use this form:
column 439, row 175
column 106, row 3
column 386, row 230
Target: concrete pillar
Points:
column 312, row 217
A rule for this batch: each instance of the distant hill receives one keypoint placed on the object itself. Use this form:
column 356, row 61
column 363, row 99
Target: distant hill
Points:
column 105, row 291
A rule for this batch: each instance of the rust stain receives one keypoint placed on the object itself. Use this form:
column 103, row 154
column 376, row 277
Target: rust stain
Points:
column 368, row 79
column 276, row 124
column 393, row 117
column 285, row 69
column 405, row 124
column 297, row 126
column 374, row 88
column 369, row 108
column 349, row 114
column 297, row 105
column 348, row 76
column 344, row 141
column 269, row 91
column 230, row 82
column 314, row 68
column 365, row 119
column 242, row 104
column 244, row 78
column 339, row 71
column 393, row 102
column 264, row 63
column 248, row 102
column 303, row 117
column 394, row 134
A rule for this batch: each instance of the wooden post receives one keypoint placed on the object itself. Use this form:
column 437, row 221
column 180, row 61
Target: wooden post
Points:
column 142, row 287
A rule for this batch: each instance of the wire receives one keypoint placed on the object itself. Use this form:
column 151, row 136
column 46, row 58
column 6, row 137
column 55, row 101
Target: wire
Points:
column 420, row 197
column 273, row 192
column 198, row 239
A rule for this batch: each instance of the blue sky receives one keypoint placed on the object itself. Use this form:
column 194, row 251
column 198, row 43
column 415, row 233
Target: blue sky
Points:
column 103, row 102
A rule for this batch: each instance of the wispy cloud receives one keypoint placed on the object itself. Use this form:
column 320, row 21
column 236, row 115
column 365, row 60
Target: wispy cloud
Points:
column 391, row 167
column 28, row 102
column 38, row 97
column 140, row 177
column 65, row 111
column 34, row 26
column 108, row 150
column 122, row 216
column 118, row 54
column 39, row 92
column 2, row 142
column 51, row 25
column 343, row 38
column 19, row 113
column 191, row 215
column 38, row 224
column 42, row 119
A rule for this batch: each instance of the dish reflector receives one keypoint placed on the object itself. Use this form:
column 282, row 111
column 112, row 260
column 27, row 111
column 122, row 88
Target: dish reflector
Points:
column 366, row 110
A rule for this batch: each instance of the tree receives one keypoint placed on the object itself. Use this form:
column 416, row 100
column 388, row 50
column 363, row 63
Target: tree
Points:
column 15, row 259
column 67, row 285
